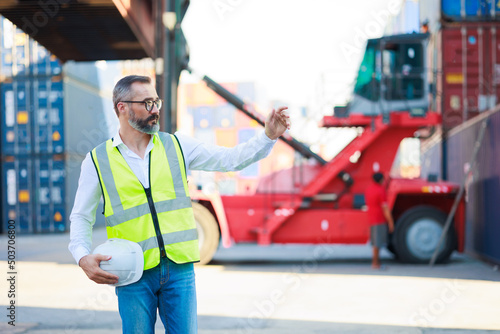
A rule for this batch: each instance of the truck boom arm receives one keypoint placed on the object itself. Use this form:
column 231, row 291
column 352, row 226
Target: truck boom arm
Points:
column 250, row 112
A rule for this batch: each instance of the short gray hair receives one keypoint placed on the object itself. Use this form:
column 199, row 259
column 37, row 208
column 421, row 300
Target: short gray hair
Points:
column 122, row 89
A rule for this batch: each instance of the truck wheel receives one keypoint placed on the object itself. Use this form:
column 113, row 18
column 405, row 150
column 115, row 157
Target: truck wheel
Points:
column 208, row 232
column 417, row 234
column 390, row 246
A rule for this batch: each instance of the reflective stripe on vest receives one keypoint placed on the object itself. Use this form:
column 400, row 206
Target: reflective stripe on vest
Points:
column 126, row 207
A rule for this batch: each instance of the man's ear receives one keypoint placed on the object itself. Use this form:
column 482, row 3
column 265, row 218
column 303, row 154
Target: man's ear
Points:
column 121, row 108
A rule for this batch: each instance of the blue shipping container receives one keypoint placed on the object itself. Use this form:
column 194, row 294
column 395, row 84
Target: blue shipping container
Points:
column 14, row 49
column 17, row 194
column 49, row 187
column 470, row 10
column 16, row 117
column 48, row 116
column 42, row 62
column 203, row 117
column 22, row 56
column 32, row 116
column 33, row 194
column 224, row 116
column 482, row 186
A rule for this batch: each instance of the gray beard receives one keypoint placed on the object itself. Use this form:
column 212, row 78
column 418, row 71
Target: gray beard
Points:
column 143, row 125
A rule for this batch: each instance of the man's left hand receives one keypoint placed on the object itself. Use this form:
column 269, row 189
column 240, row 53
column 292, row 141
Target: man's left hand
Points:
column 277, row 123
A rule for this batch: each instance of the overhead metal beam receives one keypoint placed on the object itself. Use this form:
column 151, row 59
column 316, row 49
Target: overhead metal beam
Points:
column 86, row 30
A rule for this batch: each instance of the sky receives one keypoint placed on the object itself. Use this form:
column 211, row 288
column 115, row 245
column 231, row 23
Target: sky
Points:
column 297, row 52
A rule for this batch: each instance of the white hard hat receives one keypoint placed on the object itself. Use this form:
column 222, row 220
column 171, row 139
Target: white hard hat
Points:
column 127, row 260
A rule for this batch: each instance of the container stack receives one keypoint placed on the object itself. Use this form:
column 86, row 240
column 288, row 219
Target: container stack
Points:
column 465, row 58
column 51, row 117
column 32, row 134
column 210, row 118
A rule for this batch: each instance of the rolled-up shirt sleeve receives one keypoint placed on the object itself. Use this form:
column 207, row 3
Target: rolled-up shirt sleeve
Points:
column 208, row 157
column 82, row 216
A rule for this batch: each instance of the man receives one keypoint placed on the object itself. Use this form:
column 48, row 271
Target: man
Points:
column 379, row 216
column 141, row 174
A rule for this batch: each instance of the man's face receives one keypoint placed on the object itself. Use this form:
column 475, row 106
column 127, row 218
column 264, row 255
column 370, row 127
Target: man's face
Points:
column 138, row 117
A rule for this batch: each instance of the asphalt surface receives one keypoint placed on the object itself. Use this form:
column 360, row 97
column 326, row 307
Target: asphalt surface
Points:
column 279, row 289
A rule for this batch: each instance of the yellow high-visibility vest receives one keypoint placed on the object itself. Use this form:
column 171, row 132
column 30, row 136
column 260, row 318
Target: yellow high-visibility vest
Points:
column 159, row 218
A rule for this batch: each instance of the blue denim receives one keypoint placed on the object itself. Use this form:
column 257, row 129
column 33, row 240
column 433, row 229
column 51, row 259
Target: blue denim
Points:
column 168, row 288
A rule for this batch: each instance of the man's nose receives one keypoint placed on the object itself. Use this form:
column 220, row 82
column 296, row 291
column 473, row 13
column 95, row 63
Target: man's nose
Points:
column 155, row 109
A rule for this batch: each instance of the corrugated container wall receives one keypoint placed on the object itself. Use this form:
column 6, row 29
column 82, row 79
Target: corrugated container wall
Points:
column 470, row 10
column 50, row 119
column 440, row 12
column 35, row 190
column 32, row 115
column 215, row 121
column 482, row 184
column 465, row 56
column 469, row 67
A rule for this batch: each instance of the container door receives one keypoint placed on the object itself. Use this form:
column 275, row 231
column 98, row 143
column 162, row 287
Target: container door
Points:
column 17, row 194
column 48, row 116
column 470, row 65
column 49, row 184
column 16, row 128
column 460, row 55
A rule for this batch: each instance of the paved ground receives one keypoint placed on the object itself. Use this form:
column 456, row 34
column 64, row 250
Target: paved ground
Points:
column 272, row 290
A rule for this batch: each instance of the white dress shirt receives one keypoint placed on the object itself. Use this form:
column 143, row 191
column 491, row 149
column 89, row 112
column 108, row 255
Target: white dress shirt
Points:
column 198, row 156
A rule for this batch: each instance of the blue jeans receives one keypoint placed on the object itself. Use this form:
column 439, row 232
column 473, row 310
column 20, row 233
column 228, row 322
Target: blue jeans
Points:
column 168, row 288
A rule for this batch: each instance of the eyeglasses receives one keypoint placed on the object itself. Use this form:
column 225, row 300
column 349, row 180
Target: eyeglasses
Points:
column 148, row 104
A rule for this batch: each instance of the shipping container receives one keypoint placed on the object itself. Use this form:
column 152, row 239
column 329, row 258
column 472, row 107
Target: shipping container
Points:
column 42, row 62
column 470, row 10
column 243, row 121
column 17, row 194
column 438, row 13
column 51, row 117
column 203, row 117
column 48, row 115
column 468, row 66
column 34, row 193
column 226, row 137
column 91, row 118
column 200, row 95
column 224, row 116
column 49, row 187
column 482, row 182
column 16, row 117
column 32, row 116
column 22, row 56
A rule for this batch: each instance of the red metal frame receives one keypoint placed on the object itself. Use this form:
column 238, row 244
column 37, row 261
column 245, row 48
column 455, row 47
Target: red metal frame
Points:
column 296, row 213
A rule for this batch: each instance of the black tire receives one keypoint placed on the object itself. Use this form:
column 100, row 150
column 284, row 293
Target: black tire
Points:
column 417, row 233
column 390, row 246
column 208, row 232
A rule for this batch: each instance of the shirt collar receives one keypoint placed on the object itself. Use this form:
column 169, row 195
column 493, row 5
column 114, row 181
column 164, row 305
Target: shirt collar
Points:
column 117, row 140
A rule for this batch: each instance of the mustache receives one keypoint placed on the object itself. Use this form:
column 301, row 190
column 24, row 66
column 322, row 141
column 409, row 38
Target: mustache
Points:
column 152, row 117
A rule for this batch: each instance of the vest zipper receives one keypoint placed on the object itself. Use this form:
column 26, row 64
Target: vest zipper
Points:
column 156, row 224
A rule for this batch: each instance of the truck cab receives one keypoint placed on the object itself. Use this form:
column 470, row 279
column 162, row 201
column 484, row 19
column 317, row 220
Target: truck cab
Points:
column 392, row 77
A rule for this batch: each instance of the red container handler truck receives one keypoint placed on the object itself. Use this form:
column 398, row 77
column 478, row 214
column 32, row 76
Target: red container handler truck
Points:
column 322, row 202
